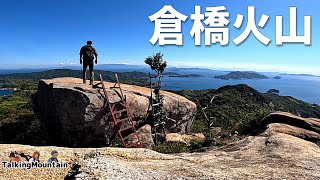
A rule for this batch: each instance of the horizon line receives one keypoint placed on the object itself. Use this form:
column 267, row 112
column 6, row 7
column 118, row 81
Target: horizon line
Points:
column 65, row 66
column 218, row 67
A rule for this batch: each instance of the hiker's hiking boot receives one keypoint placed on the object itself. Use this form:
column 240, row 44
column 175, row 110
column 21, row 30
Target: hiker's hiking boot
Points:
column 84, row 82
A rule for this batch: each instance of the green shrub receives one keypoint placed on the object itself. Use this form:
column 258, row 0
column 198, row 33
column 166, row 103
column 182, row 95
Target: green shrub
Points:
column 171, row 148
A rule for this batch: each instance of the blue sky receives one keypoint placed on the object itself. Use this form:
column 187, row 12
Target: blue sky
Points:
column 46, row 33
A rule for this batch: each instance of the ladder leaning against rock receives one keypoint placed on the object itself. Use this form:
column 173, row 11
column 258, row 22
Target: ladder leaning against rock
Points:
column 123, row 110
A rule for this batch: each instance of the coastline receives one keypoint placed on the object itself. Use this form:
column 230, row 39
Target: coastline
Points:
column 8, row 89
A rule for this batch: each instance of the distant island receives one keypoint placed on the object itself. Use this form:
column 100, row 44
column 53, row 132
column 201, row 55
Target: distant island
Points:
column 273, row 91
column 241, row 75
column 174, row 74
column 277, row 77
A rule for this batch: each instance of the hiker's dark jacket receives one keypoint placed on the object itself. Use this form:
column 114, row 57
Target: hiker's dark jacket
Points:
column 88, row 53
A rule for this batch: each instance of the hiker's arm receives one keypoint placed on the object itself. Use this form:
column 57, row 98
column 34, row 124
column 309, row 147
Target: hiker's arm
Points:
column 96, row 54
column 81, row 53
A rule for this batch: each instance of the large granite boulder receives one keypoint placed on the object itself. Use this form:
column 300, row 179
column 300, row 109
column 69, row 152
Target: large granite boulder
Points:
column 282, row 122
column 76, row 115
column 145, row 136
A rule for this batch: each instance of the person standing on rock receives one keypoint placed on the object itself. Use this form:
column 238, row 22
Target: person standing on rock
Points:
column 88, row 55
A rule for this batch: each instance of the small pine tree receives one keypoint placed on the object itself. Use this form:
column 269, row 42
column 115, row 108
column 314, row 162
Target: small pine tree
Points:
column 158, row 65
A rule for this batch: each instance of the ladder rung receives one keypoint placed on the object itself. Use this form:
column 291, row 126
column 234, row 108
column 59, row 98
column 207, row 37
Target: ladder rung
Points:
column 134, row 144
column 158, row 124
column 155, row 76
column 123, row 120
column 114, row 87
column 129, row 127
column 158, row 104
column 119, row 102
column 120, row 111
column 157, row 114
column 129, row 136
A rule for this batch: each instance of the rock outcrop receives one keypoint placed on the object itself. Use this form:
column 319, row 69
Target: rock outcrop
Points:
column 145, row 136
column 282, row 122
column 75, row 115
column 276, row 156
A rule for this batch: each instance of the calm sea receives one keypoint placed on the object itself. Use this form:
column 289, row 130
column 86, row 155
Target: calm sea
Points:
column 5, row 92
column 306, row 88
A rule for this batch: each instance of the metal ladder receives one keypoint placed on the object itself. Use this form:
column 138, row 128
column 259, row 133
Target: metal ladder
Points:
column 123, row 110
column 152, row 105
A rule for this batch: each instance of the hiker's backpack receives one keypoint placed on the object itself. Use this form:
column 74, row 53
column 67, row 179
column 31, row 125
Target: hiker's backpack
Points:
column 88, row 52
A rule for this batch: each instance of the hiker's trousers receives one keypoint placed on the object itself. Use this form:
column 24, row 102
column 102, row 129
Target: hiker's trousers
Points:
column 87, row 63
